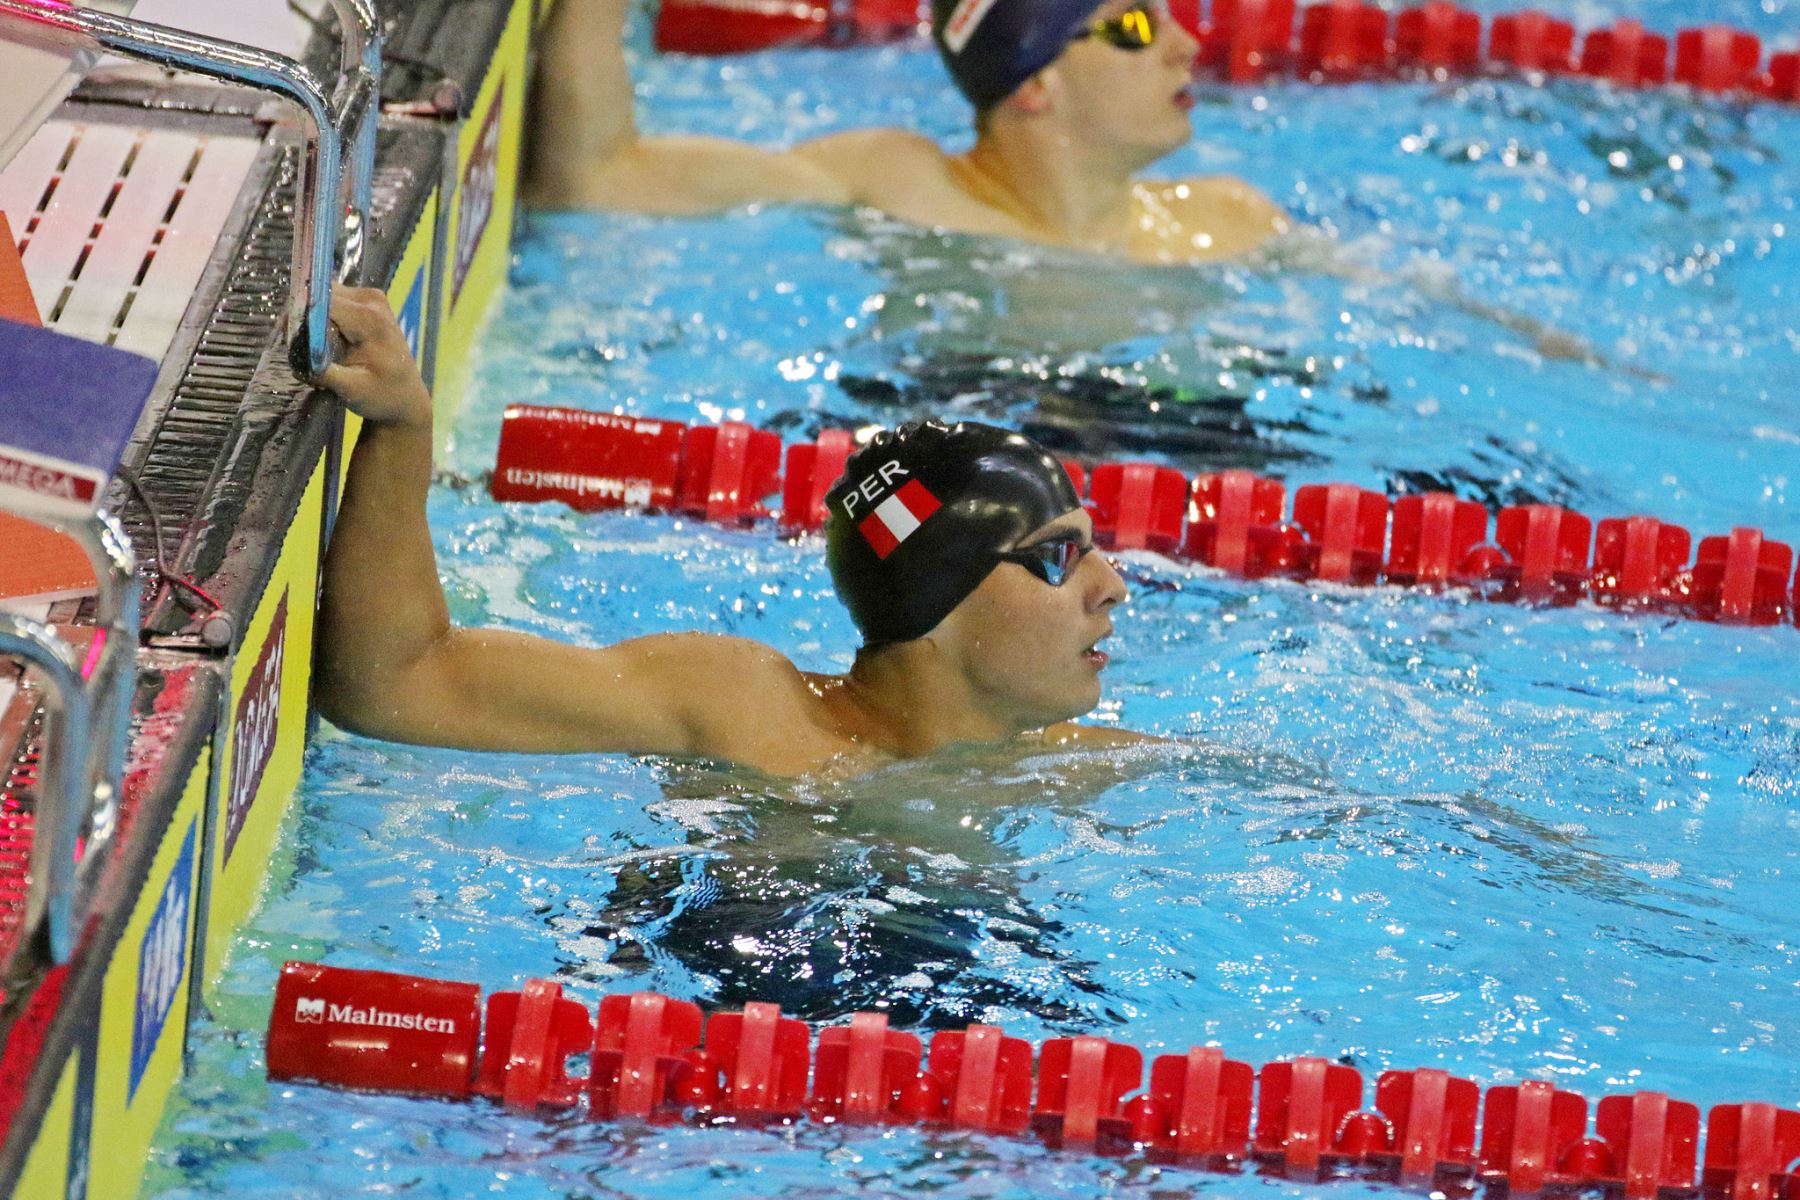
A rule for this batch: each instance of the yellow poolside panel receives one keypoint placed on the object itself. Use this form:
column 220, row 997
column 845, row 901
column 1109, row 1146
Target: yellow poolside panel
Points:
column 266, row 732
column 410, row 290
column 144, row 1002
column 46, row 1172
column 481, row 210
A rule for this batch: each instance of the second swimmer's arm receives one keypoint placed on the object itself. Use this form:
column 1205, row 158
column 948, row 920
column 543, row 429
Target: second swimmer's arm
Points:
column 584, row 150
column 1307, row 248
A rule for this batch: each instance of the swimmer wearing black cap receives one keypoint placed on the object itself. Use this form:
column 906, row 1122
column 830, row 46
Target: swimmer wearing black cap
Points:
column 1071, row 98
column 962, row 552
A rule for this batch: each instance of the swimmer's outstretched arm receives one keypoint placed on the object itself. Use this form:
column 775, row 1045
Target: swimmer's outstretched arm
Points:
column 1307, row 248
column 583, row 148
column 392, row 665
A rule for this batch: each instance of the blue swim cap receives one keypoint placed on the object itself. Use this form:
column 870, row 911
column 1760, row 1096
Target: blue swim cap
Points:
column 993, row 46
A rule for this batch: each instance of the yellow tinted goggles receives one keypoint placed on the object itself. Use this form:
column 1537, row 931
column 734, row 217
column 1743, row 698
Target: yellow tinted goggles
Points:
column 1133, row 29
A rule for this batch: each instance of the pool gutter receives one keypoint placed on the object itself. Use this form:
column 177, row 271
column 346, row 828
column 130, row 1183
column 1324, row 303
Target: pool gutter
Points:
column 245, row 464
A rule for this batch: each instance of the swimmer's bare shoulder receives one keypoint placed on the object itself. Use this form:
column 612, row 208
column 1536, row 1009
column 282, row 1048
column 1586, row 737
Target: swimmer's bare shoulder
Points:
column 1194, row 220
column 748, row 703
column 904, row 174
column 1093, row 737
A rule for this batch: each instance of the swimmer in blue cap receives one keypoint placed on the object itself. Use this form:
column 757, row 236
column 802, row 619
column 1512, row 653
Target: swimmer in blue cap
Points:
column 962, row 552
column 1071, row 98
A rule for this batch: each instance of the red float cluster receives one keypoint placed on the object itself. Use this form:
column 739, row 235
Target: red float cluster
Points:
column 1248, row 40
column 653, row 1058
column 1244, row 41
column 1235, row 521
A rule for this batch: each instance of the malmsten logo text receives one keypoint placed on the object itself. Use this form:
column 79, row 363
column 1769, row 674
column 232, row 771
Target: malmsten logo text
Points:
column 308, row 1011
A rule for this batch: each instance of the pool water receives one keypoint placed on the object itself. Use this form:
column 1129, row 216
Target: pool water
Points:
column 1396, row 828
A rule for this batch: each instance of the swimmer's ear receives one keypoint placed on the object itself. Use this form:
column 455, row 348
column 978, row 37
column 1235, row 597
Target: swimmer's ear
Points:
column 1034, row 97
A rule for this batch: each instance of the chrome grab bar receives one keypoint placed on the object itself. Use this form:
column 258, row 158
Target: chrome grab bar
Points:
column 84, row 756
column 346, row 120
column 61, row 800
column 89, row 718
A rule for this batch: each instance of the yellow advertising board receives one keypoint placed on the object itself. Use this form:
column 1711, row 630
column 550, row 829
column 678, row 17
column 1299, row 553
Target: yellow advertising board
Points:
column 144, row 1002
column 481, row 209
column 46, row 1172
column 265, row 729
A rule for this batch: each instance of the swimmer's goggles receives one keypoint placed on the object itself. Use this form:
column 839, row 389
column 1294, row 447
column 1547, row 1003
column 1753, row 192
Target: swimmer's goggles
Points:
column 1052, row 561
column 1133, row 29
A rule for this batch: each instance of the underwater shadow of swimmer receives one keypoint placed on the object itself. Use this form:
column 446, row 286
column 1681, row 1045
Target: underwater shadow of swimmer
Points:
column 1099, row 413
column 896, row 892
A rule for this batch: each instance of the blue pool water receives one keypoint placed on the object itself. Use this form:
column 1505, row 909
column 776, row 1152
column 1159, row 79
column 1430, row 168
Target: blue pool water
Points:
column 1401, row 829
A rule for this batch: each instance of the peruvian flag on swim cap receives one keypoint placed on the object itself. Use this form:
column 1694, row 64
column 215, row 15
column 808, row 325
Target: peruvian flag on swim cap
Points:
column 896, row 517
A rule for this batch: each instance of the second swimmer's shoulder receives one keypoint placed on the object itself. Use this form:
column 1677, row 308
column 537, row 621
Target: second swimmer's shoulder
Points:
column 1196, row 219
column 866, row 157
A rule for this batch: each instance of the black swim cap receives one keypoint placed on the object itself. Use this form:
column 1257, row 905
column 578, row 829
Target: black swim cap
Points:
column 915, row 523
column 993, row 46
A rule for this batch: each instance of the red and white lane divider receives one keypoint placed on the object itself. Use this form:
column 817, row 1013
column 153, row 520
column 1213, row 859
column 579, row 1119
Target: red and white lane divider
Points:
column 1235, row 521
column 653, row 1058
column 1247, row 41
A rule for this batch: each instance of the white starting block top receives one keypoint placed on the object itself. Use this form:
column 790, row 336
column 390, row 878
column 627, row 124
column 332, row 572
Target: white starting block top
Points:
column 116, row 225
column 37, row 80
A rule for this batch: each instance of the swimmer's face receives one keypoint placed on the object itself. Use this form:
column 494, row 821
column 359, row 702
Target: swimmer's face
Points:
column 1026, row 646
column 1133, row 101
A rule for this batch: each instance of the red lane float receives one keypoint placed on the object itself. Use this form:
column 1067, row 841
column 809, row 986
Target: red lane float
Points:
column 1546, row 549
column 1247, row 41
column 1532, row 41
column 1716, row 58
column 1234, row 520
column 726, row 470
column 1784, row 77
column 1751, row 1150
column 1346, row 529
column 531, row 1034
column 656, row 1058
column 1082, row 1083
column 374, row 1030
column 1234, row 523
column 1197, row 1109
column 1741, row 579
column 1300, row 1107
column 868, row 1074
column 739, row 26
column 1653, row 1143
column 985, row 1077
column 1438, row 37
column 811, row 470
column 1626, row 54
column 1432, row 1114
column 640, row 1065
column 1137, row 506
column 1344, row 39
column 1639, row 560
column 1434, row 537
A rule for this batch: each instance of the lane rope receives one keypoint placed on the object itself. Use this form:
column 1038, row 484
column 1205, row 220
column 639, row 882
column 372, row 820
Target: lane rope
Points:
column 1235, row 521
column 1252, row 41
column 657, row 1059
